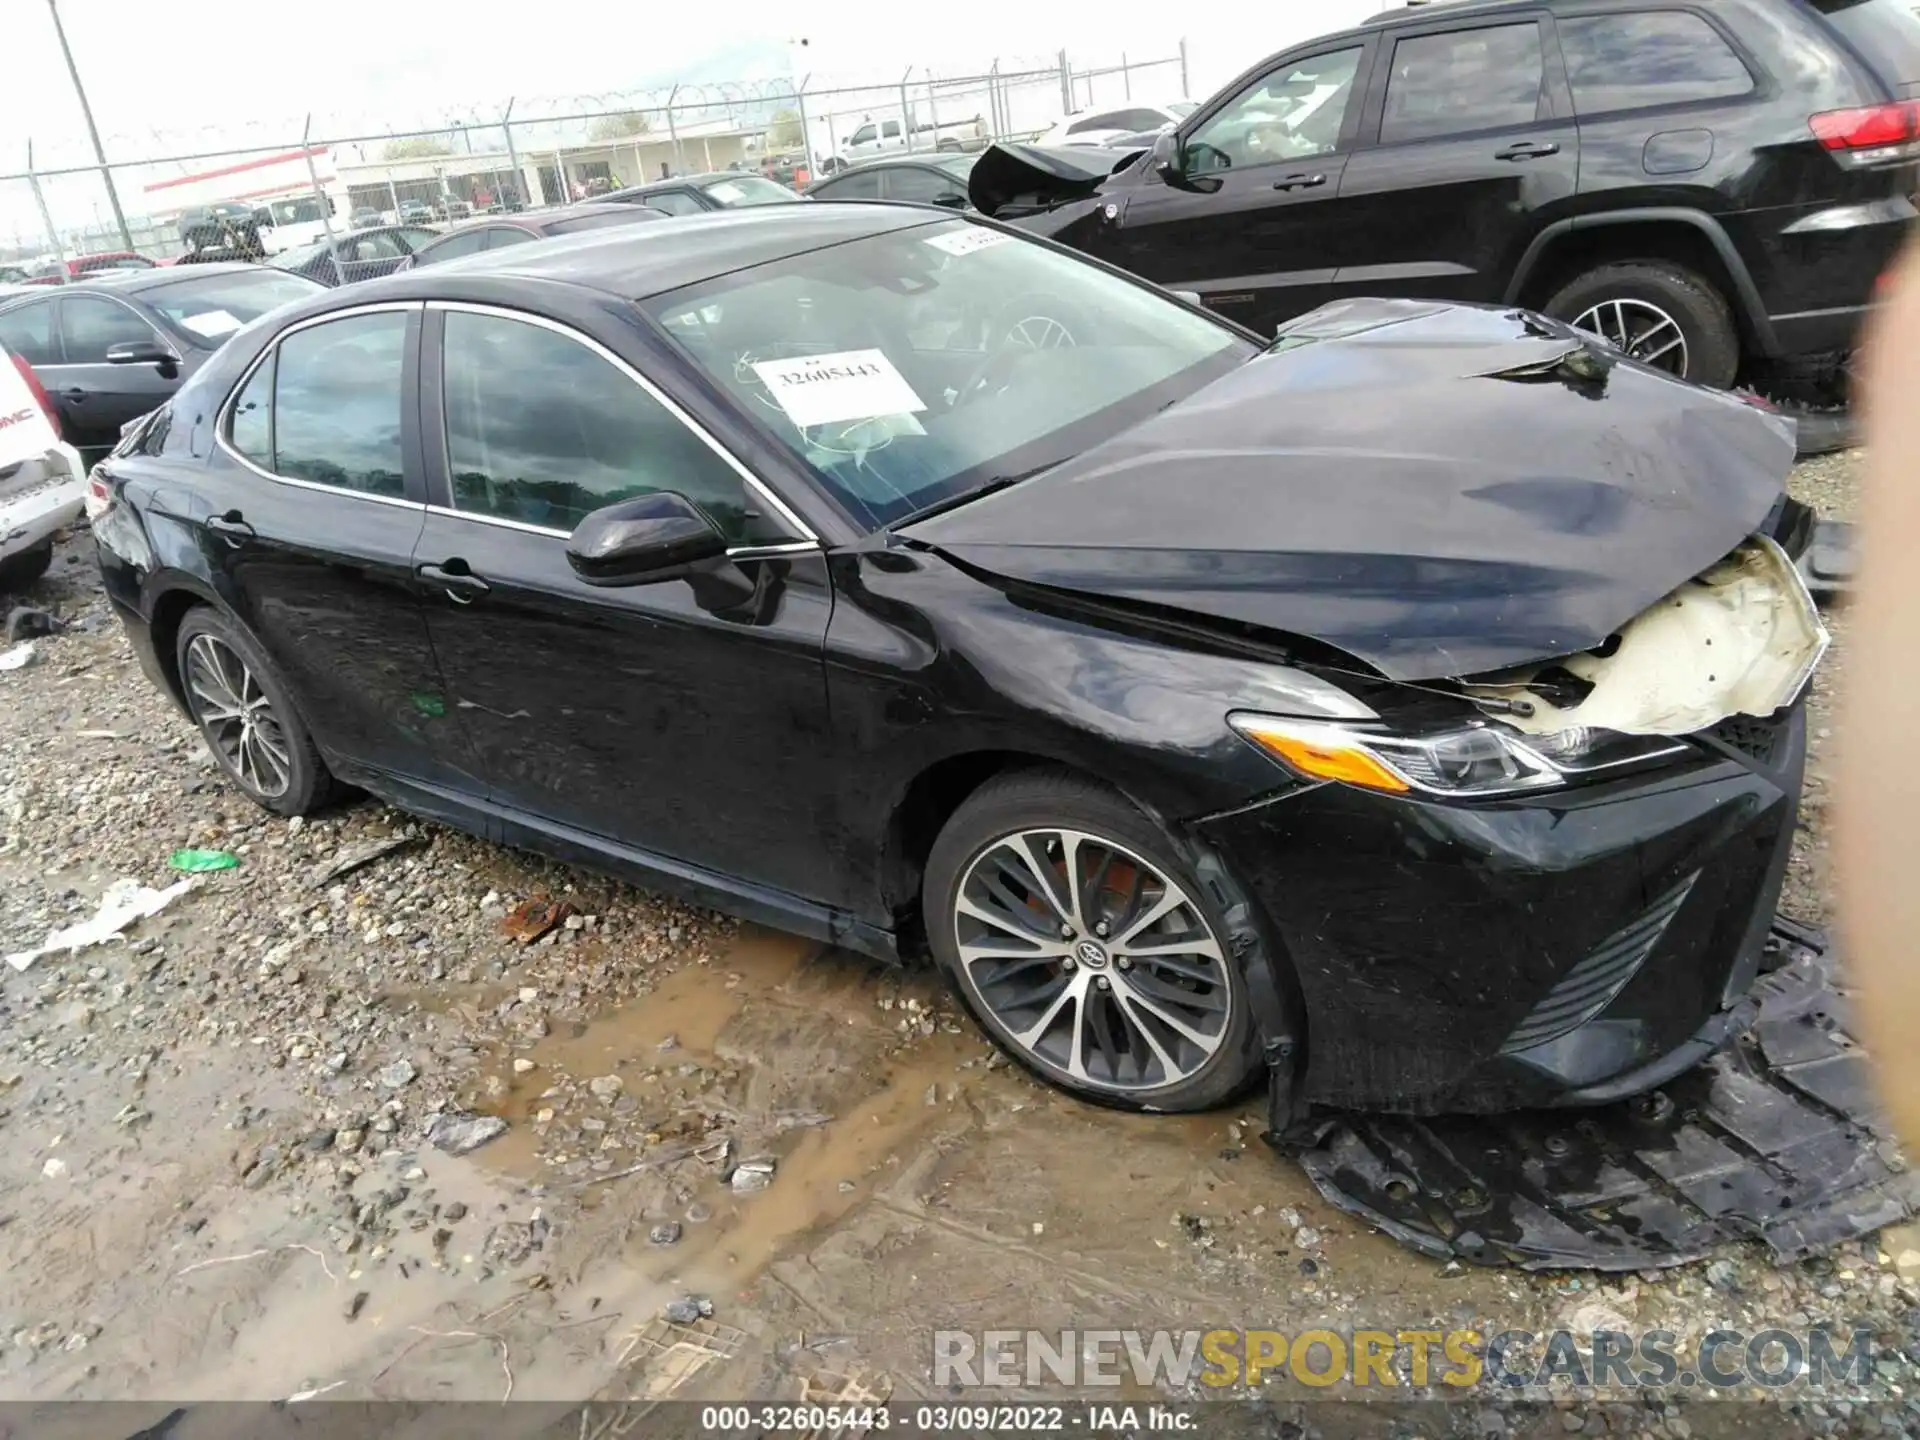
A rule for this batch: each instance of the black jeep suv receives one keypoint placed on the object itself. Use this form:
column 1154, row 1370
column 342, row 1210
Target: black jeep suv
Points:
column 1715, row 186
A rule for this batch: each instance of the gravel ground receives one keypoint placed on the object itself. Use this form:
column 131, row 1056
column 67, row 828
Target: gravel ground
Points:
column 233, row 1151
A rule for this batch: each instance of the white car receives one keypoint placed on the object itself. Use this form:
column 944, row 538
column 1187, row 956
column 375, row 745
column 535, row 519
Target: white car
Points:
column 43, row 482
column 1096, row 127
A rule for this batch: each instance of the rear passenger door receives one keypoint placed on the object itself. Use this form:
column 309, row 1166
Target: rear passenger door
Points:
column 1468, row 147
column 307, row 514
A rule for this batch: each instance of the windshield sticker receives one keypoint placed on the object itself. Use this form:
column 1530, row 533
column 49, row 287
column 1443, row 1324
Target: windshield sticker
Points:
column 211, row 323
column 827, row 389
column 965, row 242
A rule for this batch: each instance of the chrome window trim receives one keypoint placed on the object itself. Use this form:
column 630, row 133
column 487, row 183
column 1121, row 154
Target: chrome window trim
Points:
column 223, row 421
column 753, row 482
column 734, row 552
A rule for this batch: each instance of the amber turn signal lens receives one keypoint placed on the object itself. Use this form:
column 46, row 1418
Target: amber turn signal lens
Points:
column 1323, row 756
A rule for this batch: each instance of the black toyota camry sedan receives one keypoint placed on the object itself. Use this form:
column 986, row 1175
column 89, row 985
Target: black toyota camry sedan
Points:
column 1406, row 710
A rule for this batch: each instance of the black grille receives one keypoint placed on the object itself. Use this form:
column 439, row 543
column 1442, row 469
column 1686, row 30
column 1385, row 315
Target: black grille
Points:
column 1762, row 741
column 1588, row 988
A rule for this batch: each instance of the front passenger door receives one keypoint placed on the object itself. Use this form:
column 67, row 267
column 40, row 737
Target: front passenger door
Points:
column 95, row 396
column 1248, row 224
column 669, row 717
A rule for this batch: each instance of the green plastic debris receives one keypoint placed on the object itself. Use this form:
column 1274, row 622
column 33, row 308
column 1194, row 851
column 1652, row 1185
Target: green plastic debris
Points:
column 195, row 862
column 429, row 705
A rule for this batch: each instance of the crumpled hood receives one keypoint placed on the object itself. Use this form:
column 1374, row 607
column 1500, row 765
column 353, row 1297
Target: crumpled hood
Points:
column 1439, row 490
column 1020, row 178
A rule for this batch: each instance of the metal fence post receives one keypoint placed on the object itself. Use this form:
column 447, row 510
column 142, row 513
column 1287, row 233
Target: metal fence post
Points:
column 1066, row 85
column 513, row 158
column 1183, row 66
column 46, row 215
column 673, row 134
column 995, row 101
column 933, row 110
column 313, row 177
column 806, row 134
column 93, row 131
column 906, row 114
column 1126, row 77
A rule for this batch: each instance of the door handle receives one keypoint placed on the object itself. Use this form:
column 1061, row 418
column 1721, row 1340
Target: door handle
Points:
column 231, row 526
column 73, row 393
column 1301, row 181
column 463, row 587
column 1527, row 150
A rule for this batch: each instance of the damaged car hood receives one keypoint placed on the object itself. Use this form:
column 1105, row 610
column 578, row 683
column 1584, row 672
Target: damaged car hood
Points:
column 1012, row 179
column 1438, row 490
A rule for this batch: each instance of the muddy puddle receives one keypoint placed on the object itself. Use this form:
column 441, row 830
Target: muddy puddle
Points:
column 814, row 1146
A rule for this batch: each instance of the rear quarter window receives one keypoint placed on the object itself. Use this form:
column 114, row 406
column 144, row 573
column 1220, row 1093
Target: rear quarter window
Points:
column 1635, row 61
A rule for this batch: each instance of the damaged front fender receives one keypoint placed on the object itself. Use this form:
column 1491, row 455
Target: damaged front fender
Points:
column 1011, row 181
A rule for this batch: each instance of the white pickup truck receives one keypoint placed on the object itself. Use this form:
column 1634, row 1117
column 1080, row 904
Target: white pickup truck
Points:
column 43, row 483
column 896, row 134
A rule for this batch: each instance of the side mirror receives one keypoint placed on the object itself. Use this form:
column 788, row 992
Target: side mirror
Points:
column 140, row 352
column 1165, row 156
column 1192, row 297
column 952, row 200
column 640, row 542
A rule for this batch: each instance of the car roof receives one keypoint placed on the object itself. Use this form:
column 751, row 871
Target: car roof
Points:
column 133, row 281
column 673, row 182
column 536, row 219
column 639, row 261
column 1420, row 9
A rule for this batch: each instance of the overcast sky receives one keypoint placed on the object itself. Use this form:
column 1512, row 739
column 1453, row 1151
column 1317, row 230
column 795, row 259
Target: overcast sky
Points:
column 170, row 78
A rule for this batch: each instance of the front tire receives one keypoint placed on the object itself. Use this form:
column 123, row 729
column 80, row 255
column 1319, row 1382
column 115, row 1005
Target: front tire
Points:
column 1075, row 931
column 1658, row 312
column 247, row 716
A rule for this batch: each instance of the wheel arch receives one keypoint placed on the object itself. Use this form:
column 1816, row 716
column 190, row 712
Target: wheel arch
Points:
column 1673, row 233
column 169, row 598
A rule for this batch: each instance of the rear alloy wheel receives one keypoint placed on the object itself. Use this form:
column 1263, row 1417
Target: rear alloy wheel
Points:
column 1659, row 313
column 247, row 718
column 1076, row 936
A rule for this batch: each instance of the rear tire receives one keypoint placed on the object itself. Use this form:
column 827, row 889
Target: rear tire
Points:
column 1666, row 314
column 247, row 716
column 19, row 571
column 1116, row 985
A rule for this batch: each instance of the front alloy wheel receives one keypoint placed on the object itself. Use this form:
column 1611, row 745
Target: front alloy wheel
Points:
column 1641, row 329
column 1093, row 961
column 237, row 717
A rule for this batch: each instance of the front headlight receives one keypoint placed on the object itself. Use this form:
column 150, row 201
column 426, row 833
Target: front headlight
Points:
column 1469, row 762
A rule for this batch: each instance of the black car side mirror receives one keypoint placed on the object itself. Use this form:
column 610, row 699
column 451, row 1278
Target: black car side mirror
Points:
column 642, row 541
column 1164, row 158
column 140, row 352
column 952, row 200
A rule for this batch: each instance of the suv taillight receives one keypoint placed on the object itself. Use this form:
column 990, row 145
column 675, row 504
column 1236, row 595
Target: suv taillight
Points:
column 99, row 498
column 38, row 391
column 1874, row 135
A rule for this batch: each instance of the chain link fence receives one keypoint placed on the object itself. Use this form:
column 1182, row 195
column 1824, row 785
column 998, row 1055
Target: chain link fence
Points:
column 257, row 189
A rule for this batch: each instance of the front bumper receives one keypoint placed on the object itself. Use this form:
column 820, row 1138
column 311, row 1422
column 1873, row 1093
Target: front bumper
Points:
column 36, row 506
column 1562, row 949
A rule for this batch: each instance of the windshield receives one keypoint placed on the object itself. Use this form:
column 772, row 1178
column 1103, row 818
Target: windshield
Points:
column 908, row 368
column 1885, row 32
column 212, row 307
column 88, row 265
column 300, row 255
column 741, row 190
column 959, row 166
column 304, row 210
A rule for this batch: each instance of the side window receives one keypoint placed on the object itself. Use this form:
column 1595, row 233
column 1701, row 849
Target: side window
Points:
column 89, row 324
column 415, row 239
column 863, row 135
column 890, row 129
column 854, row 185
column 499, row 237
column 250, row 430
column 1630, row 62
column 377, row 246
column 543, row 430
column 910, row 182
column 467, row 242
column 336, row 403
column 28, row 332
column 673, row 202
column 1462, row 81
column 1290, row 113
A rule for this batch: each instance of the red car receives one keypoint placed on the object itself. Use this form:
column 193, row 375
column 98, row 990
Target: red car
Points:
column 56, row 272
